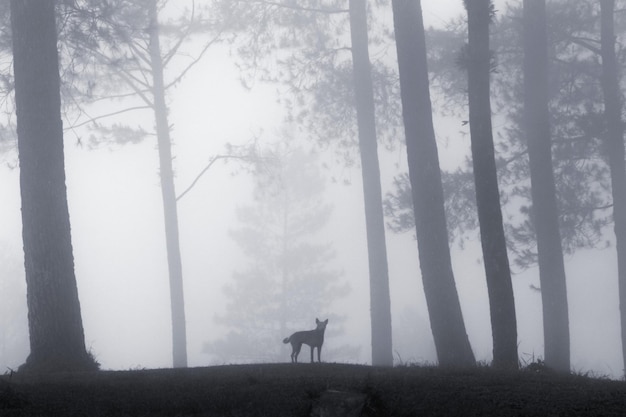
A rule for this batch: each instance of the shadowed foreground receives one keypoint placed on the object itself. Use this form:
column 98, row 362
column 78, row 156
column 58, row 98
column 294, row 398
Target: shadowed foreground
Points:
column 295, row 390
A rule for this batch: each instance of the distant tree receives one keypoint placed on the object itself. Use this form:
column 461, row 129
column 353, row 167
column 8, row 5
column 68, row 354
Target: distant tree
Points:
column 614, row 140
column 57, row 340
column 288, row 281
column 543, row 190
column 170, row 210
column 499, row 286
column 446, row 318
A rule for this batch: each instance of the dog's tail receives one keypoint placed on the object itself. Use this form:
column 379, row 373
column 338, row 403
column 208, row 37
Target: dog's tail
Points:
column 286, row 340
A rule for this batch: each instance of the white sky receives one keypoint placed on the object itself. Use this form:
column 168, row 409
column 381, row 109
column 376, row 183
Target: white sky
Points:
column 117, row 228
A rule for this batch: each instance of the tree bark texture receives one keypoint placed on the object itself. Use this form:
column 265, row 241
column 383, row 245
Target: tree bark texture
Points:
column 375, row 224
column 498, row 274
column 446, row 319
column 57, row 339
column 614, row 139
column 170, row 212
column 543, row 190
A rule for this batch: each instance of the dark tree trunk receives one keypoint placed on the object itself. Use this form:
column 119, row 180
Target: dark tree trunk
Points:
column 375, row 224
column 545, row 211
column 446, row 318
column 499, row 286
column 615, row 148
column 57, row 340
column 170, row 212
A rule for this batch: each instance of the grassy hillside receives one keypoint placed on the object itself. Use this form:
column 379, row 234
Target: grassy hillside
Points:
column 295, row 390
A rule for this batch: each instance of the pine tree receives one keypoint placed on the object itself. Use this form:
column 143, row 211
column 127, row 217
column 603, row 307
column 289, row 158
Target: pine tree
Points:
column 57, row 341
column 287, row 282
column 499, row 285
column 446, row 318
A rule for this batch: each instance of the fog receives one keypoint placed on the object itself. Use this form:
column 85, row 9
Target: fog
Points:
column 116, row 217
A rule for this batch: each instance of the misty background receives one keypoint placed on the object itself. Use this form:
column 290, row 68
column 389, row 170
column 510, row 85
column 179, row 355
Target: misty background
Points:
column 119, row 246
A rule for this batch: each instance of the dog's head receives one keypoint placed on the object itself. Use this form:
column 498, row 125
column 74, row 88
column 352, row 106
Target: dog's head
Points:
column 321, row 325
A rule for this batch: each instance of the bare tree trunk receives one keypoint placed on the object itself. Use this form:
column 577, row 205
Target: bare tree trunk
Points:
column 380, row 302
column 179, row 332
column 57, row 340
column 446, row 318
column 614, row 140
column 498, row 273
column 543, row 189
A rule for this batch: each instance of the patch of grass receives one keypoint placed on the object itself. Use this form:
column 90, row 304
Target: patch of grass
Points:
column 293, row 389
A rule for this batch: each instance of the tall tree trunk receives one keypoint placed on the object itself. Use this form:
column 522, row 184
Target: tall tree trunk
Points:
column 545, row 211
column 615, row 147
column 57, row 341
column 179, row 332
column 499, row 286
column 446, row 318
column 380, row 303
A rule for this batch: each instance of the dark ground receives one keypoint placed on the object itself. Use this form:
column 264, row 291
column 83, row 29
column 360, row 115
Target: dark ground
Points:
column 295, row 390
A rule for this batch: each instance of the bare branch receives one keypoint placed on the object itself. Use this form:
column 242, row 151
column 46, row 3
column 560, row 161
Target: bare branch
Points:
column 120, row 96
column 102, row 116
column 248, row 155
column 586, row 39
column 128, row 79
column 586, row 43
column 184, row 35
column 514, row 157
column 206, row 168
column 139, row 53
column 329, row 10
column 193, row 62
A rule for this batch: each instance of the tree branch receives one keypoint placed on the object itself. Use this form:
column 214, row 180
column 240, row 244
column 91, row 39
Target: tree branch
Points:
column 249, row 153
column 184, row 35
column 102, row 116
column 193, row 62
column 129, row 78
column 206, row 168
column 299, row 8
column 585, row 43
